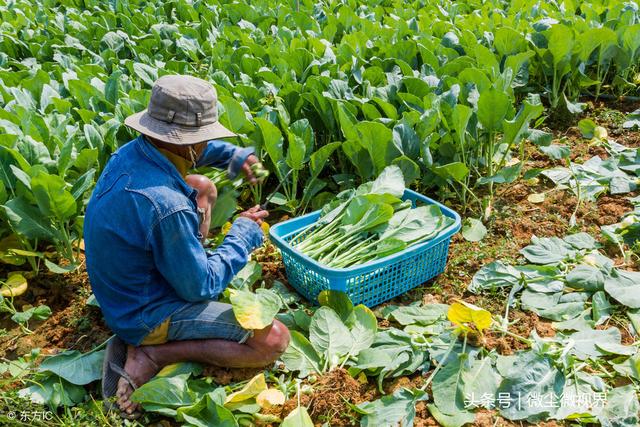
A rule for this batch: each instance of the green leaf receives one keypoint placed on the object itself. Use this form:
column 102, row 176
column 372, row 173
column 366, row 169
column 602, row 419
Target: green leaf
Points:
column 493, row 106
column 27, row 220
column 41, row 312
column 300, row 142
column 587, row 127
column 299, row 417
column 584, row 342
column 601, row 307
column 586, row 277
column 248, row 276
column 392, row 410
column 556, row 152
column 448, row 388
column 494, row 275
column 171, row 392
column 255, row 310
column 526, row 376
column 320, row 157
column 622, row 408
column 339, row 302
column 329, row 336
column 390, row 181
column 363, row 329
column 481, row 379
column 55, row 268
column 54, row 392
column 421, row 315
column 456, row 171
column 547, row 250
column 560, row 41
column 581, row 241
column 52, row 196
column 75, row 367
column 273, row 142
column 473, row 230
column 458, row 419
column 301, row 356
column 377, row 139
column 146, row 73
column 516, row 129
column 624, row 287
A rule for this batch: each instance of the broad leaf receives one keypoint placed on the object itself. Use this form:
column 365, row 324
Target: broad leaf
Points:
column 75, row 367
column 301, row 356
column 255, row 310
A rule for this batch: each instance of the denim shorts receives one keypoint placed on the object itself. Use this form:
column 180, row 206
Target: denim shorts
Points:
column 201, row 321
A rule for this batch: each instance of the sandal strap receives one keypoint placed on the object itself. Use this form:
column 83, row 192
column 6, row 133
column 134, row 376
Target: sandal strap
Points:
column 155, row 365
column 118, row 370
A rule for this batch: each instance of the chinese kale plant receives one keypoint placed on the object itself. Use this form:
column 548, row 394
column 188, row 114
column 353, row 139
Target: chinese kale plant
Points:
column 370, row 222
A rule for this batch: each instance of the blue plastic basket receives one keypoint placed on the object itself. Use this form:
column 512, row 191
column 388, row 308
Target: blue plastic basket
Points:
column 371, row 283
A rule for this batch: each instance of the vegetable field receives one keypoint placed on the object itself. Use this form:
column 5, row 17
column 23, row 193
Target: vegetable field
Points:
column 522, row 116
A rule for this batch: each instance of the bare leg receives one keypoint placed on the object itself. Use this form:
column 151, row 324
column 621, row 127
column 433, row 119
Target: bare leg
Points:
column 144, row 362
column 207, row 195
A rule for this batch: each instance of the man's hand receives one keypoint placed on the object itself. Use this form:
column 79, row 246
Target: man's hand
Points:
column 255, row 214
column 246, row 168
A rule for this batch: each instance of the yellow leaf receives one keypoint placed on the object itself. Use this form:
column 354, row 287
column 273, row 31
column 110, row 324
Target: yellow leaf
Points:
column 536, row 197
column 462, row 313
column 15, row 285
column 225, row 228
column 254, row 310
column 265, row 228
column 600, row 133
column 362, row 378
column 249, row 391
column 269, row 398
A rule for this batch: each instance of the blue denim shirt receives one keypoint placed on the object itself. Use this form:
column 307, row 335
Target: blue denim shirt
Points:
column 142, row 243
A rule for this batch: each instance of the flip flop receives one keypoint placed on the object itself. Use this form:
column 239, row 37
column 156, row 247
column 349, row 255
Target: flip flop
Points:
column 112, row 370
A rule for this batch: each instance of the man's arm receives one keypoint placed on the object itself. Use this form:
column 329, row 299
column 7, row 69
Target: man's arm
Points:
column 183, row 262
column 221, row 154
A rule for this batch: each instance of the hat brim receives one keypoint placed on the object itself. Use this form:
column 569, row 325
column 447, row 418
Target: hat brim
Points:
column 173, row 133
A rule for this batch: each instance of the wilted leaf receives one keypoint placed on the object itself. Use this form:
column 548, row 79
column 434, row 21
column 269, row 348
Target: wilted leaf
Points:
column 14, row 286
column 253, row 388
column 462, row 313
column 255, row 311
column 270, row 397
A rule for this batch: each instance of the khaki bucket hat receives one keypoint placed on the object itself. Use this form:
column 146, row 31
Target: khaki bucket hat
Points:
column 183, row 110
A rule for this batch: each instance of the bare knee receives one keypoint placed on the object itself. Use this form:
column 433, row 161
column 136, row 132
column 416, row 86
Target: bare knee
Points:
column 271, row 341
column 204, row 186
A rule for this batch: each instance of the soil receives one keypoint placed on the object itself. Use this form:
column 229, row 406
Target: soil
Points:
column 330, row 399
column 271, row 260
column 226, row 376
column 72, row 325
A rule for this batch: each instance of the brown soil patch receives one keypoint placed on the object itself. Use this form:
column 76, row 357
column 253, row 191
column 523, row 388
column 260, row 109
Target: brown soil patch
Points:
column 271, row 260
column 72, row 325
column 610, row 209
column 328, row 401
column 423, row 416
column 225, row 376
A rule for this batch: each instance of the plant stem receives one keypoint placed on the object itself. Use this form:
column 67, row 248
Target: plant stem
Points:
column 437, row 369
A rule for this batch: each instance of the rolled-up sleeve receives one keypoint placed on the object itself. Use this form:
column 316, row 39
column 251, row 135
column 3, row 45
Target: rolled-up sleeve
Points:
column 183, row 262
column 220, row 154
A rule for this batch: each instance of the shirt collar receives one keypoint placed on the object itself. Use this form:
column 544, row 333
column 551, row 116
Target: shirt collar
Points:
column 153, row 154
column 182, row 164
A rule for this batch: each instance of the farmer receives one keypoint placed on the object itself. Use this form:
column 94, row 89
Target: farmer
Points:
column 156, row 284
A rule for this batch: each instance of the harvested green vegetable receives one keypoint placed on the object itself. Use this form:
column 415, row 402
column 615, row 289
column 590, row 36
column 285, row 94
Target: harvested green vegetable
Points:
column 371, row 222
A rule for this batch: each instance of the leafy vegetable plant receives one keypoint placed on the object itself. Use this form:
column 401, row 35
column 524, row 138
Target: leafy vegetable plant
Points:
column 370, row 223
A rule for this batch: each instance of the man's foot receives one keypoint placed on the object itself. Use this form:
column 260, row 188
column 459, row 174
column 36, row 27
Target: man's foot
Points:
column 141, row 368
